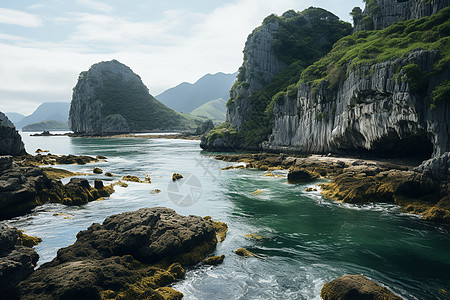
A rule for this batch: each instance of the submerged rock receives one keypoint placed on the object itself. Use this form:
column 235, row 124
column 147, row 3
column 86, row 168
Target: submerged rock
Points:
column 115, row 259
column 355, row 287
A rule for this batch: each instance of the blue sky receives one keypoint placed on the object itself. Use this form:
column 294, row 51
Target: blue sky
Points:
column 44, row 45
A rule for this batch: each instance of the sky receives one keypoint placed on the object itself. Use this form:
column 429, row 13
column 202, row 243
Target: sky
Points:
column 45, row 44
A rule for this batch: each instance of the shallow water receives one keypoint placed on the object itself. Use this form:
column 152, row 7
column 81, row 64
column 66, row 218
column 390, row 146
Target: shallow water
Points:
column 304, row 242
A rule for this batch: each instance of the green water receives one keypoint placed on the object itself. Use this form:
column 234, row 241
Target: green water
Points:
column 305, row 239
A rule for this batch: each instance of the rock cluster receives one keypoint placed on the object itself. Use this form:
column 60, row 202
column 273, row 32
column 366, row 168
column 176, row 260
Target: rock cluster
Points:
column 116, row 259
column 52, row 159
column 23, row 188
column 10, row 140
column 357, row 181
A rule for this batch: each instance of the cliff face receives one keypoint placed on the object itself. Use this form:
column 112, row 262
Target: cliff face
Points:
column 10, row 140
column 110, row 98
column 384, row 13
column 372, row 110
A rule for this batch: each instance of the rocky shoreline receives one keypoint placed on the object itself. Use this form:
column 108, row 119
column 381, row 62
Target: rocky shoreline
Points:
column 423, row 190
column 133, row 255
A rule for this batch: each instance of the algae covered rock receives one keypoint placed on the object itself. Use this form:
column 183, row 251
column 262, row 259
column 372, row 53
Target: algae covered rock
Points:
column 355, row 287
column 301, row 176
column 115, row 260
column 214, row 260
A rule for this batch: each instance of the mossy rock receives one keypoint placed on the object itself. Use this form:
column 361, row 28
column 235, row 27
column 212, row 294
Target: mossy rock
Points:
column 214, row 260
column 301, row 176
column 97, row 171
column 131, row 178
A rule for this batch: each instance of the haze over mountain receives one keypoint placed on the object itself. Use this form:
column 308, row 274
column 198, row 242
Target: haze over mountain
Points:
column 186, row 97
column 14, row 117
column 57, row 111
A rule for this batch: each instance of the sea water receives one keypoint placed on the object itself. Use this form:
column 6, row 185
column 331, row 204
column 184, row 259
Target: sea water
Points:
column 302, row 239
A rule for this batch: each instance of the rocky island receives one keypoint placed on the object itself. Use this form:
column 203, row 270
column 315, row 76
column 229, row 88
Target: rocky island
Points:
column 110, row 98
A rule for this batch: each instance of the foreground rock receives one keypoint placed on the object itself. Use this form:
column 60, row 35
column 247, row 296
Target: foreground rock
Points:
column 355, row 287
column 10, row 140
column 117, row 259
column 423, row 190
column 23, row 188
column 17, row 258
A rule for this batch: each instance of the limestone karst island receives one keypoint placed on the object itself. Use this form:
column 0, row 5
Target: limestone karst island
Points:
column 144, row 156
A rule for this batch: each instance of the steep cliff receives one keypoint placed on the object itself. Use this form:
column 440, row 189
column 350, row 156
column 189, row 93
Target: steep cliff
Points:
column 275, row 54
column 10, row 140
column 356, row 100
column 380, row 14
column 110, row 98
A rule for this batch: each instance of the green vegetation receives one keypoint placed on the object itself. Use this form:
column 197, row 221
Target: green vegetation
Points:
column 214, row 110
column 370, row 47
column 131, row 99
column 220, row 131
column 46, row 125
column 441, row 94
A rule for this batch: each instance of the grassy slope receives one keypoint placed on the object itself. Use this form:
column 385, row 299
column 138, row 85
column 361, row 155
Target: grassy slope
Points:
column 214, row 110
column 46, row 125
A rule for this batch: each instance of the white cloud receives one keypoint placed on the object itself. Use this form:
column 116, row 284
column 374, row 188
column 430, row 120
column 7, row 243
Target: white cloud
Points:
column 96, row 5
column 179, row 46
column 16, row 17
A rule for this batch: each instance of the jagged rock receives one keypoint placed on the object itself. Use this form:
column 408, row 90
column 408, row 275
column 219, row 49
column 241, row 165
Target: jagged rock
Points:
column 10, row 140
column 437, row 167
column 110, row 98
column 113, row 260
column 355, row 287
column 17, row 260
column 205, row 127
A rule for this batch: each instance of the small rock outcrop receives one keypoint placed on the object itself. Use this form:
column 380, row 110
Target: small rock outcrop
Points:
column 355, row 287
column 205, row 127
column 109, row 98
column 17, row 259
column 10, row 139
column 115, row 259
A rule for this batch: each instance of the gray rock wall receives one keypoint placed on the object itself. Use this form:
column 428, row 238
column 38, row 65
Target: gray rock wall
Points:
column 260, row 66
column 373, row 110
column 390, row 11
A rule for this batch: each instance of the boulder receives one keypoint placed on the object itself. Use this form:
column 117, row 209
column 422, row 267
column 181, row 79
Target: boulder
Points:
column 10, row 139
column 115, row 259
column 355, row 287
column 301, row 176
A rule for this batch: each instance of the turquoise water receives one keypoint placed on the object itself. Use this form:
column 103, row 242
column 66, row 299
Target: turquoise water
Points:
column 305, row 239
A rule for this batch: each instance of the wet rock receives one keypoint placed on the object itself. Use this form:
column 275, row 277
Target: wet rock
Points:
column 214, row 260
column 17, row 258
column 155, row 191
column 114, row 260
column 107, row 174
column 245, row 253
column 98, row 184
column 176, row 176
column 97, row 171
column 51, row 159
column 355, row 287
column 301, row 176
column 131, row 178
column 310, row 189
column 5, row 162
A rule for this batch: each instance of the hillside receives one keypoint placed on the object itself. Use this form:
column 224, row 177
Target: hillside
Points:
column 46, row 125
column 14, row 117
column 186, row 97
column 58, row 111
column 215, row 110
column 111, row 98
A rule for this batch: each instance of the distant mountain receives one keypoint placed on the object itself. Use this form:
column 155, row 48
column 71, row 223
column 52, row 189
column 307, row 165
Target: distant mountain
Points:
column 215, row 110
column 46, row 125
column 186, row 97
column 57, row 111
column 14, row 117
